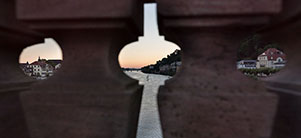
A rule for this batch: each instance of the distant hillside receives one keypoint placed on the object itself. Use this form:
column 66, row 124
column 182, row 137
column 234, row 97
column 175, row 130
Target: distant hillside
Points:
column 165, row 66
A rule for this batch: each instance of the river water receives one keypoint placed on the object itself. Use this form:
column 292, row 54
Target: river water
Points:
column 149, row 122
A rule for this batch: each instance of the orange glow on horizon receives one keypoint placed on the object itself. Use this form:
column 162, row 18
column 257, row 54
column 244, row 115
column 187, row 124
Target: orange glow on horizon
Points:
column 145, row 52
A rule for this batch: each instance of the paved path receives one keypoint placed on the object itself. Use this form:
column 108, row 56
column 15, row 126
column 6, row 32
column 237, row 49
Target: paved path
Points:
column 149, row 123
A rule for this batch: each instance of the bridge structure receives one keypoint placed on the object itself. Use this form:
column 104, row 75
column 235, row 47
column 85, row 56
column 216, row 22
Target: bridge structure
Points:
column 97, row 100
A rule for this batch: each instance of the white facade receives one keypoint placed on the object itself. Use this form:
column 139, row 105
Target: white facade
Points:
column 263, row 62
column 58, row 66
column 43, row 70
column 36, row 70
column 271, row 58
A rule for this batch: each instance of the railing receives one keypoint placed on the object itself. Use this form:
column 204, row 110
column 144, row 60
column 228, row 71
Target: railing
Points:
column 91, row 97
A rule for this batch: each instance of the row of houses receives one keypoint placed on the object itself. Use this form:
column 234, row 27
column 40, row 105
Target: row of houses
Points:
column 171, row 67
column 166, row 66
column 42, row 68
column 271, row 58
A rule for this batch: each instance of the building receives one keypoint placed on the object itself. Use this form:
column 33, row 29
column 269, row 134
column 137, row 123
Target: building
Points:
column 246, row 64
column 175, row 66
column 164, row 68
column 41, row 68
column 55, row 63
column 36, row 69
column 26, row 68
column 271, row 58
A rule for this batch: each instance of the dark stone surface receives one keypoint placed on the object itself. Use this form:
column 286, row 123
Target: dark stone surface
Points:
column 14, row 36
column 90, row 96
column 69, row 9
column 85, row 115
column 12, row 121
column 213, row 98
column 285, row 30
column 91, row 14
column 194, row 8
column 288, row 121
column 209, row 97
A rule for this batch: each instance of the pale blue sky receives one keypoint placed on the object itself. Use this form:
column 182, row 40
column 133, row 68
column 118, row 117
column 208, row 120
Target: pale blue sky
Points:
column 150, row 21
column 150, row 48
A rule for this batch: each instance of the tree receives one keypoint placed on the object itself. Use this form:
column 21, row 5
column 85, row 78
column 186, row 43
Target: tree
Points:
column 253, row 46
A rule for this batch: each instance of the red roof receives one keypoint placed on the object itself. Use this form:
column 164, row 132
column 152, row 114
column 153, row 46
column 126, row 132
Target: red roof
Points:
column 41, row 63
column 273, row 54
column 38, row 63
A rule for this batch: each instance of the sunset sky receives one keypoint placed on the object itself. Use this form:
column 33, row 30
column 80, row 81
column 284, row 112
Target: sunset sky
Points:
column 48, row 50
column 149, row 49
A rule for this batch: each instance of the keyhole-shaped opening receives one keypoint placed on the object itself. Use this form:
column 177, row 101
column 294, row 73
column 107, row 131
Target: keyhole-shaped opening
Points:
column 260, row 59
column 41, row 61
column 152, row 61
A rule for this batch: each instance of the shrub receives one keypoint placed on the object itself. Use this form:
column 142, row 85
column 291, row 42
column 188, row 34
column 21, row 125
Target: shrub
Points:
column 256, row 72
